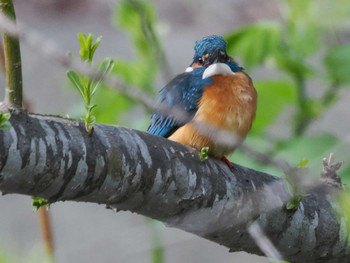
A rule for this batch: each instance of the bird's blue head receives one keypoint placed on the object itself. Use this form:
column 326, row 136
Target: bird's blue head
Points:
column 208, row 45
column 210, row 50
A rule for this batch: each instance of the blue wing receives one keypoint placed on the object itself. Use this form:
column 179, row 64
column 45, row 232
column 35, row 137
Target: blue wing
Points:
column 184, row 91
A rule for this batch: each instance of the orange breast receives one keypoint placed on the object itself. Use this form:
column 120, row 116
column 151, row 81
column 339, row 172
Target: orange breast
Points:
column 225, row 115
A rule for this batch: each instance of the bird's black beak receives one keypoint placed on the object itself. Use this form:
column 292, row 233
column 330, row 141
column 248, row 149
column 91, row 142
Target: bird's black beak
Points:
column 217, row 56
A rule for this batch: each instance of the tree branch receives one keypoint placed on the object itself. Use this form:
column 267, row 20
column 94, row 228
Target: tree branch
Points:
column 125, row 169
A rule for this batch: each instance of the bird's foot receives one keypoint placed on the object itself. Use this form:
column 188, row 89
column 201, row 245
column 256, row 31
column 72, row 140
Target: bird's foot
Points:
column 228, row 163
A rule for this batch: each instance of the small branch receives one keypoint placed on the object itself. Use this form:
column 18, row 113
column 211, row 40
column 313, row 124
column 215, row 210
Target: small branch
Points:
column 263, row 241
column 330, row 95
column 266, row 159
column 329, row 174
column 2, row 59
column 13, row 66
column 303, row 118
column 150, row 35
column 46, row 230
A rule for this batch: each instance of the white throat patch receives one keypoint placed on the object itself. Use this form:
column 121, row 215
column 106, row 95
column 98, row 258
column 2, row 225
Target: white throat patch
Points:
column 217, row 69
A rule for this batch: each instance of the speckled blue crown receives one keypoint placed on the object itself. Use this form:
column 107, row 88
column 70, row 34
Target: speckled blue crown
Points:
column 208, row 44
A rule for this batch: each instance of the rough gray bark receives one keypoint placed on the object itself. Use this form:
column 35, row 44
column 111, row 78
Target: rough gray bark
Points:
column 131, row 170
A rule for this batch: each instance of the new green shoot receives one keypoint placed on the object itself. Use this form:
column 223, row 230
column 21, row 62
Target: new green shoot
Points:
column 204, row 153
column 86, row 86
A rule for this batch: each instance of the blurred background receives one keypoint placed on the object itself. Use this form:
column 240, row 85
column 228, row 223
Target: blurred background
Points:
column 297, row 53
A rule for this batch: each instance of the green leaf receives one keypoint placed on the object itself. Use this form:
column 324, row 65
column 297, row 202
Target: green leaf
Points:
column 94, row 47
column 89, row 109
column 83, row 51
column 293, row 203
column 303, row 163
column 254, row 43
column 75, row 79
column 337, row 61
column 203, row 153
column 82, row 39
column 5, row 126
column 4, row 117
column 39, row 202
column 87, row 49
column 105, row 67
column 273, row 97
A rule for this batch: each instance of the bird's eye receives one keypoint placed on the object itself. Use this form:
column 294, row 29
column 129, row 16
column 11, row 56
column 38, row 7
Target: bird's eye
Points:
column 202, row 60
column 224, row 56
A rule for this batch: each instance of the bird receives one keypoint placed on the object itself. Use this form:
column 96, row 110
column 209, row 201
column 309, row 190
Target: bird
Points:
column 216, row 99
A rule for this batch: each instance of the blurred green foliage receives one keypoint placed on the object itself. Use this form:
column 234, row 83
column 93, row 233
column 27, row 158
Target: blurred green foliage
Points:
column 300, row 49
column 276, row 94
column 6, row 257
column 36, row 254
column 337, row 61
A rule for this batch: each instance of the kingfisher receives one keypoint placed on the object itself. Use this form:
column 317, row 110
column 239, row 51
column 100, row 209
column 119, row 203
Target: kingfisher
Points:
column 215, row 98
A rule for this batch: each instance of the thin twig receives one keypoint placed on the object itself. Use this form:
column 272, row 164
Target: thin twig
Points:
column 2, row 59
column 303, row 118
column 263, row 242
column 151, row 37
column 329, row 173
column 46, row 230
column 330, row 95
column 266, row 159
column 13, row 66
